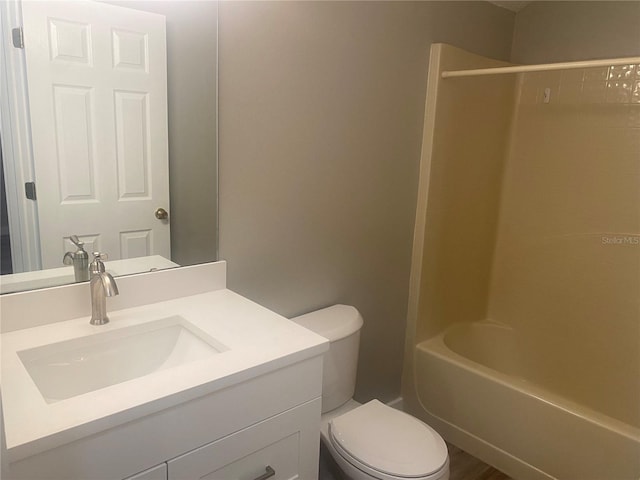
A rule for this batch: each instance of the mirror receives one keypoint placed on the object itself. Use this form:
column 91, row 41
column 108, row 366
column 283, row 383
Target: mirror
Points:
column 191, row 144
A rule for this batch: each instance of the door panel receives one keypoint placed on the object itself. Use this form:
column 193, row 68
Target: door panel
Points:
column 98, row 104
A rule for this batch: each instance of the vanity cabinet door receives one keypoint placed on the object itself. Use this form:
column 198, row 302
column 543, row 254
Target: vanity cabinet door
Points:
column 284, row 447
column 158, row 472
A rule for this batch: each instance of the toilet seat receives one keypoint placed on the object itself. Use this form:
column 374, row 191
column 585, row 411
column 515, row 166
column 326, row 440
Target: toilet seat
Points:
column 388, row 444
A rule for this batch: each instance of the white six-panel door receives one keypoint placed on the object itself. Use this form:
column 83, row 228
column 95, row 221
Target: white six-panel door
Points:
column 98, row 103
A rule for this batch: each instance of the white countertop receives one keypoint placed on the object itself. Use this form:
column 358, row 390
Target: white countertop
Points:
column 258, row 339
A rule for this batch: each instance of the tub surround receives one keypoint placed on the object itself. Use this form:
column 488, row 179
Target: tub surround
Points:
column 459, row 215
column 526, row 237
column 566, row 262
column 257, row 344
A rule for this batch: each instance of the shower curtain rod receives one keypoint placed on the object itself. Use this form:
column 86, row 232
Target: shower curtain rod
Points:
column 540, row 67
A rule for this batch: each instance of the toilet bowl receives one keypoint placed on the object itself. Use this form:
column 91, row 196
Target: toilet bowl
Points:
column 370, row 441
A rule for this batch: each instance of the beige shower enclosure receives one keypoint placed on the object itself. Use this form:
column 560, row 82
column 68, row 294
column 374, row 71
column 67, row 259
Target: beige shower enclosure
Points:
column 523, row 338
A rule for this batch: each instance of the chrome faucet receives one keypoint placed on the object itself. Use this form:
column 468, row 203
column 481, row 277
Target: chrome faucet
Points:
column 79, row 259
column 102, row 285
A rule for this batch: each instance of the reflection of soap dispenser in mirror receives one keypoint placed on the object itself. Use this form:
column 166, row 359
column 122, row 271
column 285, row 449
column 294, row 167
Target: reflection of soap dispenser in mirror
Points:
column 79, row 259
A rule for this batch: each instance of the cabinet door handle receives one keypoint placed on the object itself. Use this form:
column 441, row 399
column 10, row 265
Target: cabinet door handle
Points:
column 268, row 473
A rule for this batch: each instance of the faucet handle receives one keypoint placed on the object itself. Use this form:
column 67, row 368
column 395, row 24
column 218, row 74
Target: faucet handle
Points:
column 70, row 256
column 76, row 241
column 97, row 267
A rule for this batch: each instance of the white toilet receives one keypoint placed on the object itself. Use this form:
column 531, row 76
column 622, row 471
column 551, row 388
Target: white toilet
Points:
column 370, row 441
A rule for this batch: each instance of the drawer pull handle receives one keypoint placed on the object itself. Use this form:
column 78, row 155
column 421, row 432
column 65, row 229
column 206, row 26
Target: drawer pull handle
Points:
column 268, row 473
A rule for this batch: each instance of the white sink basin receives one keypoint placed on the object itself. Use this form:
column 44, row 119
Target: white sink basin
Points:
column 73, row 367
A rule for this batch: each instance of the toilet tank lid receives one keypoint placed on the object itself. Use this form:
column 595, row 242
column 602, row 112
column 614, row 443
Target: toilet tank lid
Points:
column 333, row 323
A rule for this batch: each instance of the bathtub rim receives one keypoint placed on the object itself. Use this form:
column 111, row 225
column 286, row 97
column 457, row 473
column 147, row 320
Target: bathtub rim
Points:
column 477, row 446
column 436, row 346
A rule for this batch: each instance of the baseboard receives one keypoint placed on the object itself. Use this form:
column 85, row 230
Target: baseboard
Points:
column 397, row 403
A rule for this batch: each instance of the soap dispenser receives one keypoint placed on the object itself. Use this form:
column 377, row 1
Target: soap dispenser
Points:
column 79, row 259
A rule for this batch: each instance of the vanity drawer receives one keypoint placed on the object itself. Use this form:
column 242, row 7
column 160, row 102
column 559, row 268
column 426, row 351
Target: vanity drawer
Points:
column 287, row 443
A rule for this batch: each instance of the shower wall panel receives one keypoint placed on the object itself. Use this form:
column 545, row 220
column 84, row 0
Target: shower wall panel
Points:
column 566, row 268
column 472, row 123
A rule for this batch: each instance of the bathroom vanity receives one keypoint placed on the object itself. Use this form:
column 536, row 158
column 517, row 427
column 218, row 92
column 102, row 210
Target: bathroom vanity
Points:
column 187, row 380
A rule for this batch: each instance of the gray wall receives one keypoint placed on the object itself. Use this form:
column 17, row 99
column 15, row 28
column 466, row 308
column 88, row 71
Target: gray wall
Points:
column 321, row 116
column 565, row 31
column 192, row 75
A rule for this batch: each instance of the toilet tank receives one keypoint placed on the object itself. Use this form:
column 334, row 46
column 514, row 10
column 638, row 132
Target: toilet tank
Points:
column 340, row 324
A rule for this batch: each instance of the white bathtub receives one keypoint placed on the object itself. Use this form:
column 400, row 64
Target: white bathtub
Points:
column 472, row 387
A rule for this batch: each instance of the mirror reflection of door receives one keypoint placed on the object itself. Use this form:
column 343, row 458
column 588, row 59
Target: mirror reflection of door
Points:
column 97, row 89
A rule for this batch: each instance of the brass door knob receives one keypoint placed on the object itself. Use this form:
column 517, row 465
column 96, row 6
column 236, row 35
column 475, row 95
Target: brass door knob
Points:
column 162, row 214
